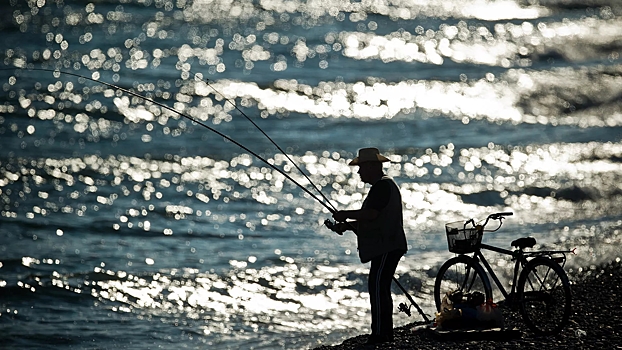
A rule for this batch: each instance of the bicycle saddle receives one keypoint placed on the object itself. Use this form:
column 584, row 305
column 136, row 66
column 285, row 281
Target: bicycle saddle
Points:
column 525, row 242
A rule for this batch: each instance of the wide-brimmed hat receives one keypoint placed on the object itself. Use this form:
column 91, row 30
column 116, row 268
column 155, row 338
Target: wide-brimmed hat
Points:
column 366, row 155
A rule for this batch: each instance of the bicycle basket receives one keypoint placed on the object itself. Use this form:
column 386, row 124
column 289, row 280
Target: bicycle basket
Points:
column 462, row 240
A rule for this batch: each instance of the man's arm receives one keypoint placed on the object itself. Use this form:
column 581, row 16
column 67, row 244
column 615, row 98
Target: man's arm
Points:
column 376, row 200
column 364, row 214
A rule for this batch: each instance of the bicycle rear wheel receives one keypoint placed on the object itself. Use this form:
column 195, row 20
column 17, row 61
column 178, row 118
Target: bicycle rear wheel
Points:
column 461, row 273
column 544, row 296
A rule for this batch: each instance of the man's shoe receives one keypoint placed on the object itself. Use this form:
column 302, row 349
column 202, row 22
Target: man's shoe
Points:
column 378, row 339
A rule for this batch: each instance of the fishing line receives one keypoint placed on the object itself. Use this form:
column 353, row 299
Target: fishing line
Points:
column 207, row 81
column 56, row 71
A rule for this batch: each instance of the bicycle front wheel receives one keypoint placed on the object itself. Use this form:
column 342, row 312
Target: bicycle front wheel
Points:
column 461, row 273
column 544, row 296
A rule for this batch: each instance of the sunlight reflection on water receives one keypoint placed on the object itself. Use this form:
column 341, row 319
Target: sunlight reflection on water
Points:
column 481, row 105
column 523, row 179
column 496, row 99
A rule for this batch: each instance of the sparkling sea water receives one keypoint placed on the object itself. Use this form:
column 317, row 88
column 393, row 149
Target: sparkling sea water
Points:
column 124, row 225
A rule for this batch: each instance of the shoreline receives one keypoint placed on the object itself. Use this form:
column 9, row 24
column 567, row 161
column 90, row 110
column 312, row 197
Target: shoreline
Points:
column 595, row 322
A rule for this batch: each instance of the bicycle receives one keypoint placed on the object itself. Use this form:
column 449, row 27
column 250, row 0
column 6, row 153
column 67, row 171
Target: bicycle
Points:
column 541, row 290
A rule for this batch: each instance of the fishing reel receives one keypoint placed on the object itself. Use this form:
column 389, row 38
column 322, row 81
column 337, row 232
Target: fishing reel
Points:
column 404, row 308
column 333, row 226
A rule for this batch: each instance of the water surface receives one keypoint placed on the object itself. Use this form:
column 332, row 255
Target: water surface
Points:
column 126, row 225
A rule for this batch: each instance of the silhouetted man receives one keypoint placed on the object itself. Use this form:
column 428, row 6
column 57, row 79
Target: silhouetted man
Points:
column 380, row 236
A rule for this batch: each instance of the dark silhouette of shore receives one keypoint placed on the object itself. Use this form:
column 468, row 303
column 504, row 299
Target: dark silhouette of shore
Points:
column 596, row 322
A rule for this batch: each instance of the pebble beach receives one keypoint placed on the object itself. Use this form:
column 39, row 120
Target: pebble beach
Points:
column 596, row 322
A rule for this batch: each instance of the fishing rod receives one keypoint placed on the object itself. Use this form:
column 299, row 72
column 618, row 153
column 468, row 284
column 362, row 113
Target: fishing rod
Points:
column 330, row 208
column 207, row 81
column 145, row 98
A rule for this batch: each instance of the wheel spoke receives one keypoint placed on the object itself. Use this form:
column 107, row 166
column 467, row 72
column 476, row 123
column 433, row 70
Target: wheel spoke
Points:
column 543, row 282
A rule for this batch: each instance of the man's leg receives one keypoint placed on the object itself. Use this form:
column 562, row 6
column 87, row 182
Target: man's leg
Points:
column 379, row 284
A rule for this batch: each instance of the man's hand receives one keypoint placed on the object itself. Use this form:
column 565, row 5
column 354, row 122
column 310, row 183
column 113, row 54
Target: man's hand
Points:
column 339, row 227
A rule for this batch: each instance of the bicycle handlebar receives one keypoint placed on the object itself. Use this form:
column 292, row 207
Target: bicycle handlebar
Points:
column 506, row 213
column 496, row 216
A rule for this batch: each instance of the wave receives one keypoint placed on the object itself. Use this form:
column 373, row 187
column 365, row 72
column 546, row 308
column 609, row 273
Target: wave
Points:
column 486, row 198
column 574, row 193
column 593, row 5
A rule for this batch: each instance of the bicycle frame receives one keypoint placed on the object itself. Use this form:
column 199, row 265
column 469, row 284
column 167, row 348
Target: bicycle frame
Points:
column 519, row 256
column 480, row 257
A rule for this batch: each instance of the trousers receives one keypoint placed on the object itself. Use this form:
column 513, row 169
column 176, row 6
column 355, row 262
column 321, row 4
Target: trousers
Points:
column 379, row 284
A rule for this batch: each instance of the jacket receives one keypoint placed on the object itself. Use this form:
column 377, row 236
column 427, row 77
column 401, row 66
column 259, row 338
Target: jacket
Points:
column 386, row 232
